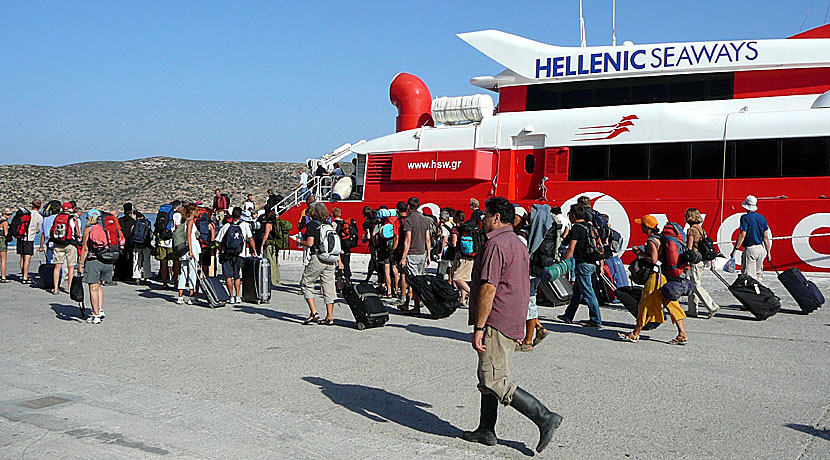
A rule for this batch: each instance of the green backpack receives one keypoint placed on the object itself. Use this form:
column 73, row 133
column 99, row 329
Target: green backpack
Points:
column 280, row 233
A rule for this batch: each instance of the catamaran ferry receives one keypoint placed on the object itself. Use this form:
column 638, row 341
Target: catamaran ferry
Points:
column 640, row 129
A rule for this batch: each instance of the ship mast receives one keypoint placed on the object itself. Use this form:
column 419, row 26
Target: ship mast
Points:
column 614, row 23
column 582, row 41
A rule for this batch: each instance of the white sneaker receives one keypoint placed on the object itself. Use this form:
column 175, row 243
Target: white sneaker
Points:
column 238, row 299
column 101, row 314
column 188, row 301
column 94, row 320
column 180, row 301
column 193, row 300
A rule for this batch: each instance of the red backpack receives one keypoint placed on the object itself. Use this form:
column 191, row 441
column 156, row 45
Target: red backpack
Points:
column 19, row 226
column 62, row 232
column 671, row 243
column 107, row 239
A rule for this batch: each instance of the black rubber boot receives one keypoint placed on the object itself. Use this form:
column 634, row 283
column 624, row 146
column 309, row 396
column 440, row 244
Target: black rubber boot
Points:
column 533, row 409
column 486, row 431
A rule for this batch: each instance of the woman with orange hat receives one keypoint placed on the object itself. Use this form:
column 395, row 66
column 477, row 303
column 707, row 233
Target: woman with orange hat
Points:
column 650, row 308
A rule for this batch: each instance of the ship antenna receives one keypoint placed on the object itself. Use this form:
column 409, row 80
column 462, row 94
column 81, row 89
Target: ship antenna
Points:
column 614, row 23
column 581, row 27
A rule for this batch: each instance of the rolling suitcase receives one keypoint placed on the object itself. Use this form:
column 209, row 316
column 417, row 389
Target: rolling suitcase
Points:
column 603, row 284
column 256, row 280
column 630, row 298
column 215, row 291
column 619, row 273
column 46, row 274
column 804, row 291
column 366, row 305
column 757, row 298
column 558, row 291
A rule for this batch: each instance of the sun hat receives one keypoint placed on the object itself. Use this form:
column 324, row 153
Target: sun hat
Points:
column 649, row 220
column 520, row 211
column 750, row 203
column 93, row 213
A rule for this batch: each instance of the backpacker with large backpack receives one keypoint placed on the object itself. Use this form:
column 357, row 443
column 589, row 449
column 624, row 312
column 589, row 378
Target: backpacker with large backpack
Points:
column 140, row 236
column 328, row 248
column 547, row 253
column 19, row 226
column 281, row 231
column 203, row 219
column 348, row 235
column 672, row 246
column 52, row 208
column 164, row 222
column 595, row 250
column 63, row 231
column 471, row 239
column 107, row 239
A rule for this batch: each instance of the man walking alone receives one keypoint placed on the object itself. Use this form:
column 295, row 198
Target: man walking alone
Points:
column 498, row 307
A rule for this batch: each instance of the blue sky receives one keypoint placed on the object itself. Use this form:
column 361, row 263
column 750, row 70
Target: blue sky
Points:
column 283, row 81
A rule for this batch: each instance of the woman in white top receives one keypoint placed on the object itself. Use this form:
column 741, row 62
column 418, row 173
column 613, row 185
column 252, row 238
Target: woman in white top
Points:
column 189, row 261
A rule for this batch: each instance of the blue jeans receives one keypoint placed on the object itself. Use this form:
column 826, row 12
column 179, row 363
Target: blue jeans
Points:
column 583, row 289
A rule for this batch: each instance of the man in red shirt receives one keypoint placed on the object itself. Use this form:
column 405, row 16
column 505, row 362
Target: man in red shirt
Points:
column 499, row 297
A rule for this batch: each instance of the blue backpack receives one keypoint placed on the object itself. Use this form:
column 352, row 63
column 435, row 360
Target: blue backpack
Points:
column 234, row 241
column 164, row 222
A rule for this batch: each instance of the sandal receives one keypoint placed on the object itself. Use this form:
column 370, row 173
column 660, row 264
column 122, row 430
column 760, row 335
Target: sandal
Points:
column 540, row 336
column 314, row 318
column 628, row 337
column 679, row 341
column 4, row 281
column 524, row 347
column 326, row 322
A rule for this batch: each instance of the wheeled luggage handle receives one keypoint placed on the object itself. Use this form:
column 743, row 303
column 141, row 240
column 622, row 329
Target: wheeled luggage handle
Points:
column 774, row 268
column 719, row 276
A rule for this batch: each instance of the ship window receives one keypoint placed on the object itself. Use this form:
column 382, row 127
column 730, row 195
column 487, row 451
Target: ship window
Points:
column 669, row 161
column 628, row 162
column 530, row 163
column 577, row 98
column 757, row 158
column 707, row 160
column 721, row 88
column 588, row 163
column 687, row 91
column 613, row 95
column 623, row 91
column 806, row 157
column 648, row 94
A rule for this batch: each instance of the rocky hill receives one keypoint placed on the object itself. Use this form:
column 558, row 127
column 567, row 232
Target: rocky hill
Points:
column 147, row 182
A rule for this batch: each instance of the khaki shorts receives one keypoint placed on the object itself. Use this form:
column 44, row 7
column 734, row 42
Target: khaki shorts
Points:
column 66, row 255
column 463, row 269
column 164, row 253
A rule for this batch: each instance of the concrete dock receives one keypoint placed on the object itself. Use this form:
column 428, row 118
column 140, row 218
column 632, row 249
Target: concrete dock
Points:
column 160, row 380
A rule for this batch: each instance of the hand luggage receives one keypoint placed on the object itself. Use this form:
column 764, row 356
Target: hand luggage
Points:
column 757, row 298
column 256, row 280
column 558, row 291
column 619, row 273
column 215, row 291
column 603, row 285
column 366, row 305
column 46, row 275
column 804, row 291
column 438, row 296
column 76, row 293
column 630, row 298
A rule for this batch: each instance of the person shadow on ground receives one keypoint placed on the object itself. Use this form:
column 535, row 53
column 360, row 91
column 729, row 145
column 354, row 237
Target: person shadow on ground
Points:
column 382, row 406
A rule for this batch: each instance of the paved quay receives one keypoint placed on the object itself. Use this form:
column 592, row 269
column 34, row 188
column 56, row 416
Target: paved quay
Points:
column 160, row 380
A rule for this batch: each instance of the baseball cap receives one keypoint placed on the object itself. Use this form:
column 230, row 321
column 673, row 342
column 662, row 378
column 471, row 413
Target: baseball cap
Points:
column 649, row 220
column 67, row 206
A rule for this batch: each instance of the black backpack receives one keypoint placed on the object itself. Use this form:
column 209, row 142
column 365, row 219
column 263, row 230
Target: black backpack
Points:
column 472, row 239
column 706, row 247
column 163, row 227
column 140, row 237
column 547, row 253
column 348, row 235
column 234, row 241
column 19, row 226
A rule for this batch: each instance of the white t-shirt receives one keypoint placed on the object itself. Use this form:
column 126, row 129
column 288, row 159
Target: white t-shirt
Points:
column 34, row 226
column 303, row 179
column 564, row 222
column 248, row 205
column 194, row 241
column 246, row 233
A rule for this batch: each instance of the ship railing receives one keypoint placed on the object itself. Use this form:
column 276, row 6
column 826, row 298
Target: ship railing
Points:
column 298, row 195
